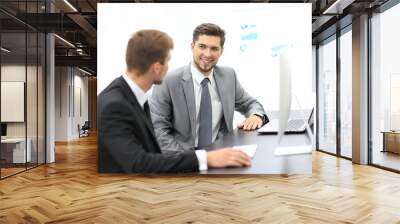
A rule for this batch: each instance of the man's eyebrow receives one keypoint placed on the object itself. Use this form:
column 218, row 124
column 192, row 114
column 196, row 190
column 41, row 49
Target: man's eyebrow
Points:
column 211, row 46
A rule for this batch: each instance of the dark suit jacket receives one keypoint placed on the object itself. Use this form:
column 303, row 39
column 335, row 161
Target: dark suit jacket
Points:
column 126, row 140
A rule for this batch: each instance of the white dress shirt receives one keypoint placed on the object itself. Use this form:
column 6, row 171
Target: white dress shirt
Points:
column 216, row 105
column 142, row 97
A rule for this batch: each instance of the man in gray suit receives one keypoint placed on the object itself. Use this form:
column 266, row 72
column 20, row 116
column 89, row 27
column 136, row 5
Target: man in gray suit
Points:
column 195, row 103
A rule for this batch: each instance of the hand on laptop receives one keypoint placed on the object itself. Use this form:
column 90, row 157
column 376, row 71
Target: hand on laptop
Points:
column 227, row 157
column 251, row 123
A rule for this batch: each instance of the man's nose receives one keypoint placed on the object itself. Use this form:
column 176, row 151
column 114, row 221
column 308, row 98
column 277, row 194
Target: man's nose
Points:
column 207, row 52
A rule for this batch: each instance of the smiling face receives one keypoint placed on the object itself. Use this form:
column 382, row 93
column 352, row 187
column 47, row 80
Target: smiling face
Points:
column 206, row 52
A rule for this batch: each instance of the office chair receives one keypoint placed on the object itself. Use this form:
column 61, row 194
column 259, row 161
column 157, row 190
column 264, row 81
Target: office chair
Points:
column 84, row 130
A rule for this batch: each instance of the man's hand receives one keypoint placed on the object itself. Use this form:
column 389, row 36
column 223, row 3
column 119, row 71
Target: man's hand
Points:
column 227, row 157
column 251, row 123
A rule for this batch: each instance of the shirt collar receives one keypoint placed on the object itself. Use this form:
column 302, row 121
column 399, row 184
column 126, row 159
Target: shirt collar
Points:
column 198, row 76
column 141, row 95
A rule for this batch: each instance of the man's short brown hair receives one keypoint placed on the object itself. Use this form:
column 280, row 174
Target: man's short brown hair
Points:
column 209, row 29
column 146, row 47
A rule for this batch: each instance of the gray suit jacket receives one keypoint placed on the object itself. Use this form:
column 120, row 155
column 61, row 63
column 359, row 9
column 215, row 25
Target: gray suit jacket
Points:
column 173, row 107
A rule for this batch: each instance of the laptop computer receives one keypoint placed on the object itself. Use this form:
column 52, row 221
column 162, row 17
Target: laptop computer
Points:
column 293, row 125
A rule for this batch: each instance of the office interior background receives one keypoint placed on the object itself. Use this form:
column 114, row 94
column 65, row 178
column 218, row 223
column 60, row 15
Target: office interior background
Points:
column 48, row 86
column 50, row 48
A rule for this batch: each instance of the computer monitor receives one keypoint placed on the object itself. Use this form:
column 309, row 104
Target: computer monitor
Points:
column 3, row 129
column 285, row 102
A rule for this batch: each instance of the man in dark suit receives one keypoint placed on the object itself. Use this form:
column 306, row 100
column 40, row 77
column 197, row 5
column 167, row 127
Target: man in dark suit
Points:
column 126, row 140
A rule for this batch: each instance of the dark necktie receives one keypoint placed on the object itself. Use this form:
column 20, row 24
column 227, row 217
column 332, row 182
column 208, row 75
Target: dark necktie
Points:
column 205, row 116
column 147, row 110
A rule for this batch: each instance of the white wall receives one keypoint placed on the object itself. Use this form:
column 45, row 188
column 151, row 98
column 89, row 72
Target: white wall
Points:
column 80, row 103
column 33, row 126
column 17, row 73
column 61, row 103
column 70, row 83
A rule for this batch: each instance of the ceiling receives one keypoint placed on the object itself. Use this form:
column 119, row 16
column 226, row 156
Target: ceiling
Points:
column 75, row 23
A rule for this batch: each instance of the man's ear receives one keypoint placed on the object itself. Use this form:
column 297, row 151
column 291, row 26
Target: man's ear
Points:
column 192, row 45
column 156, row 67
column 222, row 50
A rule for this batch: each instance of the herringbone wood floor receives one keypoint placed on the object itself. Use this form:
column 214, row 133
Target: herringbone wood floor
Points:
column 71, row 191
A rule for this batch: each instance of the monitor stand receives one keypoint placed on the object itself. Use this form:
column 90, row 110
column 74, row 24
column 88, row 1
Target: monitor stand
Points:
column 297, row 149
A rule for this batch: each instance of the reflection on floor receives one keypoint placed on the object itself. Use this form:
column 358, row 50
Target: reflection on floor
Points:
column 10, row 169
column 386, row 159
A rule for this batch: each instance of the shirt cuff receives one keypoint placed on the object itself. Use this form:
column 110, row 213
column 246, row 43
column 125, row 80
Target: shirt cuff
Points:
column 262, row 116
column 202, row 158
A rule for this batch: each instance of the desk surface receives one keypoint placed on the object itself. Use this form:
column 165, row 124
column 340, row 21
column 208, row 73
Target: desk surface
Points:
column 264, row 161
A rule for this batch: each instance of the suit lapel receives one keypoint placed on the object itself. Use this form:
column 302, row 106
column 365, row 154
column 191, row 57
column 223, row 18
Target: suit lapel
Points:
column 223, row 93
column 188, row 89
column 132, row 99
